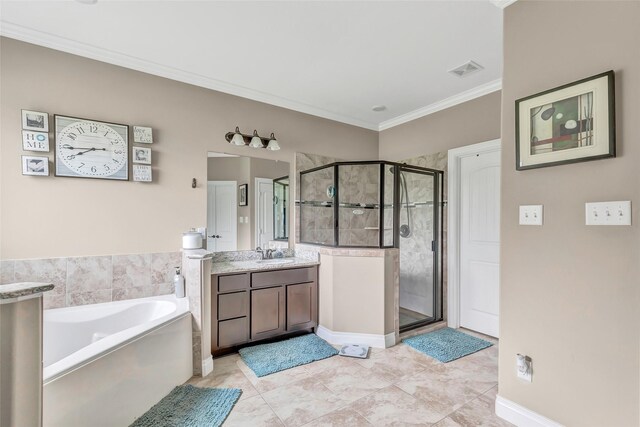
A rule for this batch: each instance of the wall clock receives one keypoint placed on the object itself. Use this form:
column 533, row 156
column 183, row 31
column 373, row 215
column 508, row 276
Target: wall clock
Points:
column 91, row 149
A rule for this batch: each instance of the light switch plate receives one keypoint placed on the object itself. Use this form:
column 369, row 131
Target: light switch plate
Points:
column 531, row 215
column 608, row 213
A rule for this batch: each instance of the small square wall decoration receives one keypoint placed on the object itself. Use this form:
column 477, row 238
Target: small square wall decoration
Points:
column 568, row 124
column 35, row 165
column 35, row 141
column 142, row 135
column 142, row 155
column 35, row 120
column 142, row 173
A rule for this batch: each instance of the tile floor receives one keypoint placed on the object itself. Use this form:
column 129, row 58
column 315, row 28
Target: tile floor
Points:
column 397, row 386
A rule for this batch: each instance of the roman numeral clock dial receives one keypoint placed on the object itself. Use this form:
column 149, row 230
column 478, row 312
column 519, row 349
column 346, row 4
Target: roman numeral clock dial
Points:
column 91, row 149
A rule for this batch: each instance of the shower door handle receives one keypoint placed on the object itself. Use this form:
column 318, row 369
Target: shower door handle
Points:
column 433, row 246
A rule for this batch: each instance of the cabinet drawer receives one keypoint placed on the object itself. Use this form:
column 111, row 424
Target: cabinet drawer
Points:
column 283, row 277
column 233, row 332
column 234, row 282
column 233, row 305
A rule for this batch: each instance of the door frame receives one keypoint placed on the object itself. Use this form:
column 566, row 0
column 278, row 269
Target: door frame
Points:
column 455, row 157
column 256, row 198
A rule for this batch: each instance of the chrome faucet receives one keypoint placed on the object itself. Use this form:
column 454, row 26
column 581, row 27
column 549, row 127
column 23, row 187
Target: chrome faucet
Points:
column 260, row 251
column 269, row 254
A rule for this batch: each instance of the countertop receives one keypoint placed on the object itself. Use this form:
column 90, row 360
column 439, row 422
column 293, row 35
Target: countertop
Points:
column 227, row 267
column 17, row 290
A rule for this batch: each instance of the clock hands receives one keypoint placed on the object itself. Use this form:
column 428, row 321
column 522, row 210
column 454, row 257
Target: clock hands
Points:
column 86, row 150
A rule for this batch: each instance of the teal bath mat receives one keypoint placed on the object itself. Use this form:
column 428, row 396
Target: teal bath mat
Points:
column 265, row 359
column 446, row 344
column 189, row 406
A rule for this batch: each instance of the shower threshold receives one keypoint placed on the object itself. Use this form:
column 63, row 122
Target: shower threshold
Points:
column 410, row 319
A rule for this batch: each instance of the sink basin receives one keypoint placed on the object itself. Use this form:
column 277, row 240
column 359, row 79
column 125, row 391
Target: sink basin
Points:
column 275, row 261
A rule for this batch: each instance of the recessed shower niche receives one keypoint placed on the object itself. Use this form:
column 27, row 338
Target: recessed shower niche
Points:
column 376, row 204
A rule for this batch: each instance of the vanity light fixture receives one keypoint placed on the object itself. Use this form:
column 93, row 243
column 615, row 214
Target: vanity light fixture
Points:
column 256, row 142
column 273, row 143
column 253, row 141
column 236, row 137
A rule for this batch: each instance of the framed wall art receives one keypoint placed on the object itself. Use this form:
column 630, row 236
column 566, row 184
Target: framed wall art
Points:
column 91, row 149
column 35, row 141
column 32, row 165
column 142, row 173
column 142, row 135
column 568, row 124
column 35, row 120
column 142, row 155
column 243, row 200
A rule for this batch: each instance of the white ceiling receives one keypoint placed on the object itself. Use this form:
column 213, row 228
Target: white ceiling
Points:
column 331, row 59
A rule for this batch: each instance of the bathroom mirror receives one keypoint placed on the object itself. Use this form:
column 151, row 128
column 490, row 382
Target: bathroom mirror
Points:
column 247, row 203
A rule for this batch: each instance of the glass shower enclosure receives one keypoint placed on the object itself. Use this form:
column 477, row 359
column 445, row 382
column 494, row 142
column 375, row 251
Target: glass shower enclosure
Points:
column 378, row 204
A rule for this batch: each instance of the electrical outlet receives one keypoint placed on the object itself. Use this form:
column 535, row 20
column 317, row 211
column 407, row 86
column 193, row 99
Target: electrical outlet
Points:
column 524, row 366
column 531, row 215
column 608, row 213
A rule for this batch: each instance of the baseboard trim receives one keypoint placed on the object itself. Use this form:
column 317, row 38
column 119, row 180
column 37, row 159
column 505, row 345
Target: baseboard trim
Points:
column 521, row 416
column 207, row 366
column 341, row 338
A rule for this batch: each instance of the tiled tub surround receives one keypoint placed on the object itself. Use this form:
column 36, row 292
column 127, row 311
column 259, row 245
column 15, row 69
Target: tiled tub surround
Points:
column 96, row 279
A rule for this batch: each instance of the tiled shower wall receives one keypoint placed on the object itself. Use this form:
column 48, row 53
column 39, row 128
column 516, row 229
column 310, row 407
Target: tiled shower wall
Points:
column 318, row 222
column 96, row 279
column 357, row 184
column 415, row 254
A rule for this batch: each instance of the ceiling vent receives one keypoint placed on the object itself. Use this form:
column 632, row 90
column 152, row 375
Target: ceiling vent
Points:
column 466, row 69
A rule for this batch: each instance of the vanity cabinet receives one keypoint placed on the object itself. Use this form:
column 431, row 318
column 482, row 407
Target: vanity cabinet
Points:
column 267, row 312
column 247, row 307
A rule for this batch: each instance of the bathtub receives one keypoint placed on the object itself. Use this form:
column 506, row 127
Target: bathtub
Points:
column 107, row 364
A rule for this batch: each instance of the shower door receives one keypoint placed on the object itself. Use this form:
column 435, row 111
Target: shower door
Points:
column 419, row 240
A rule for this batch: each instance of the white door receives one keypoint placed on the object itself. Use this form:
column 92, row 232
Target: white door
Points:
column 264, row 212
column 222, row 211
column 480, row 242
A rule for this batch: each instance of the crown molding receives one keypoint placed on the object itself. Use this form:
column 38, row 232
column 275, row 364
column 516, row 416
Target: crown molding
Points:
column 454, row 100
column 502, row 3
column 28, row 35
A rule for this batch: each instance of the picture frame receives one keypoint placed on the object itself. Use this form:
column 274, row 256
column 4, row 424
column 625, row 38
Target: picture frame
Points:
column 35, row 120
column 142, row 173
column 142, row 135
column 35, row 165
column 243, row 191
column 87, row 148
column 567, row 124
column 35, row 141
column 142, row 155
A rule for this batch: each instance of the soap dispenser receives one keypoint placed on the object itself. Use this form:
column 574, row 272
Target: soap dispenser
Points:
column 178, row 283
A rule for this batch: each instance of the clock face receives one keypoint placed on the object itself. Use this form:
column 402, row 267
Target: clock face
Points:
column 91, row 149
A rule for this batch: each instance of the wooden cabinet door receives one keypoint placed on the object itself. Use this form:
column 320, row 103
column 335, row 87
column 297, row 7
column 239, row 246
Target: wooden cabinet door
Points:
column 267, row 312
column 302, row 306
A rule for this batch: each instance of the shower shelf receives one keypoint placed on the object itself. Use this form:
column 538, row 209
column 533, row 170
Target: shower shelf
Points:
column 315, row 203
